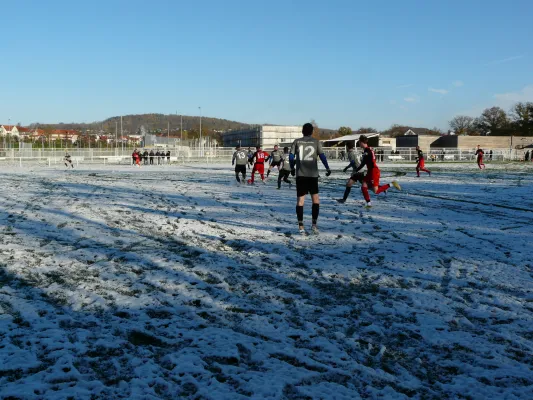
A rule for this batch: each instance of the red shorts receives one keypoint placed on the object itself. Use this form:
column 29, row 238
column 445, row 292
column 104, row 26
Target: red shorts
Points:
column 259, row 168
column 420, row 164
column 372, row 177
column 480, row 160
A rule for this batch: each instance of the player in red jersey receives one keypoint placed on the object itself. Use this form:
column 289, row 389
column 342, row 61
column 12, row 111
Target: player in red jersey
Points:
column 479, row 154
column 371, row 179
column 258, row 159
column 420, row 166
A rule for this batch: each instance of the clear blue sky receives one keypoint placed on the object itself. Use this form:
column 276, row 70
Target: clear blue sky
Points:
column 342, row 63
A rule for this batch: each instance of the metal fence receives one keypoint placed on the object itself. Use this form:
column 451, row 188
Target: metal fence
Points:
column 51, row 156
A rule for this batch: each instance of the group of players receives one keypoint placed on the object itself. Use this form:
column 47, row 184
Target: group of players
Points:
column 301, row 161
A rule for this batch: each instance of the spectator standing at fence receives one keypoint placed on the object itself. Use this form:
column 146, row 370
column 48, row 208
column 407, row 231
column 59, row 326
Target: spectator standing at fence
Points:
column 352, row 158
column 526, row 157
column 152, row 154
column 479, row 155
column 158, row 157
column 490, row 155
column 442, row 155
column 145, row 157
column 133, row 157
column 420, row 166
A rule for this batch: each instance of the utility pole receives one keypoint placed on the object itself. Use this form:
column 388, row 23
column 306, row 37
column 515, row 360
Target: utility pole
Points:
column 121, row 135
column 200, row 108
column 116, row 136
column 168, row 132
column 181, row 130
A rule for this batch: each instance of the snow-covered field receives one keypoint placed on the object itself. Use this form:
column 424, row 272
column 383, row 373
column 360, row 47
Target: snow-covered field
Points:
column 172, row 282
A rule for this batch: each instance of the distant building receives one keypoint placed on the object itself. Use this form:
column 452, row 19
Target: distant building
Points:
column 265, row 135
column 8, row 130
column 343, row 141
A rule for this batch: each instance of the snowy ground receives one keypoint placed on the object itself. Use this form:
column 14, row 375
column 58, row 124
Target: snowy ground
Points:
column 172, row 282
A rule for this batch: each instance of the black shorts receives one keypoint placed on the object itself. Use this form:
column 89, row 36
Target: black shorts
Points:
column 240, row 169
column 305, row 185
column 275, row 164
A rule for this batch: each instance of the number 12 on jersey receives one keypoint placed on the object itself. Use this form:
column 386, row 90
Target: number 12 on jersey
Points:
column 306, row 155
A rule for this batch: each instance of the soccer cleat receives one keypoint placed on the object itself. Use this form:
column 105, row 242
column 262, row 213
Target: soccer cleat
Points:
column 314, row 229
column 279, row 188
column 342, row 201
column 369, row 204
column 396, row 185
column 301, row 229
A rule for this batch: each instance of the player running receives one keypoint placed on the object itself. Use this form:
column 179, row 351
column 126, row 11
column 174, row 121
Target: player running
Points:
column 352, row 157
column 275, row 159
column 303, row 160
column 372, row 175
column 420, row 166
column 259, row 165
column 250, row 155
column 242, row 159
column 68, row 160
column 479, row 155
column 285, row 170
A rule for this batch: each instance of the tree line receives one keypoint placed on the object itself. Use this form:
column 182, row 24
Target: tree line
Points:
column 495, row 121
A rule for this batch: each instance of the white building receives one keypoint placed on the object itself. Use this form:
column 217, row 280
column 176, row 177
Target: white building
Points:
column 6, row 130
column 264, row 135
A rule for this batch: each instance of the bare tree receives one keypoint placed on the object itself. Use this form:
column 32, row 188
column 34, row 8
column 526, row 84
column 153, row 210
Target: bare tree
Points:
column 522, row 118
column 461, row 124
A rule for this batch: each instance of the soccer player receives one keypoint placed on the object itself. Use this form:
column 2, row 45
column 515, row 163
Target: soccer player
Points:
column 275, row 159
column 352, row 157
column 259, row 165
column 479, row 154
column 250, row 156
column 372, row 175
column 242, row 159
column 67, row 159
column 303, row 159
column 168, row 156
column 137, row 158
column 285, row 171
column 420, row 166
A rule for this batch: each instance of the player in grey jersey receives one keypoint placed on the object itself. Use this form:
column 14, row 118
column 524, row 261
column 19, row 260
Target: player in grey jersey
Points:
column 304, row 163
column 285, row 170
column 275, row 159
column 352, row 158
column 241, row 159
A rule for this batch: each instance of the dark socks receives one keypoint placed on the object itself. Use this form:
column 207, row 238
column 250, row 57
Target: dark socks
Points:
column 237, row 177
column 268, row 173
column 346, row 192
column 314, row 212
column 300, row 214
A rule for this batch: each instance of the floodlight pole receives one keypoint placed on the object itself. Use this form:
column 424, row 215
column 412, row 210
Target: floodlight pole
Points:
column 200, row 108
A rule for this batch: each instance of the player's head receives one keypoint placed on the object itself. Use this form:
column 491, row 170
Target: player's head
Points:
column 238, row 147
column 258, row 147
column 363, row 141
column 478, row 146
column 418, row 147
column 276, row 147
column 286, row 150
column 307, row 129
column 350, row 146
